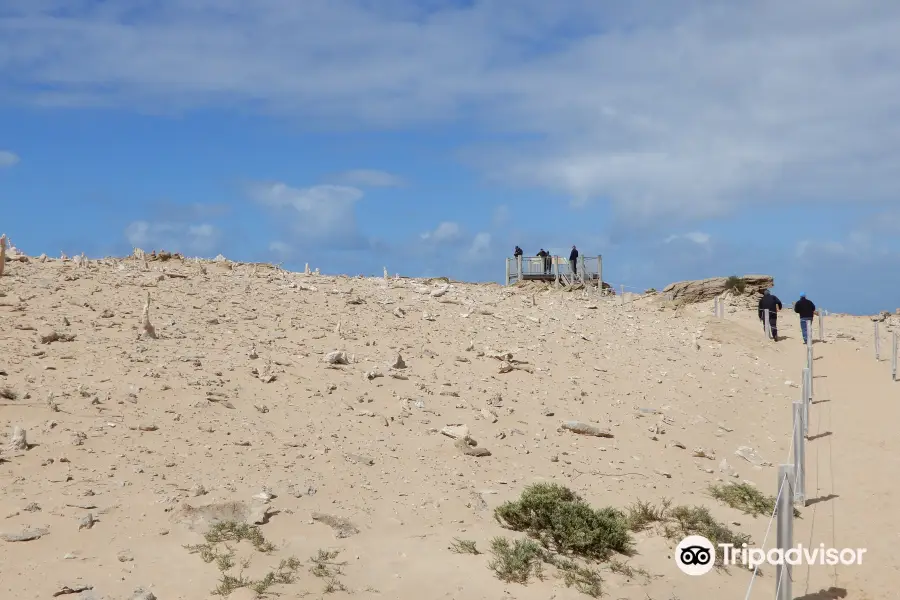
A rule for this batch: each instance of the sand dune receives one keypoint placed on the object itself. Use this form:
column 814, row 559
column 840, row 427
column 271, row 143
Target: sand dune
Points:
column 234, row 410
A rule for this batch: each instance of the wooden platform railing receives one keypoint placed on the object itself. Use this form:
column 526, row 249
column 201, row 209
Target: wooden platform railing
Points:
column 556, row 269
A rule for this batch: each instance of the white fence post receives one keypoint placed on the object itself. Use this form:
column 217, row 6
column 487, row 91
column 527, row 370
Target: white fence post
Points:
column 799, row 452
column 768, row 325
column 785, row 531
column 600, row 274
column 894, row 356
column 507, row 271
column 716, row 306
column 807, row 398
column 810, row 360
column 877, row 343
column 622, row 289
column 821, row 327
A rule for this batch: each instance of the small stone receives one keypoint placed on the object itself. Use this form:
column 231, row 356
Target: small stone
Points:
column 337, row 357
column 26, row 535
column 125, row 556
column 87, row 522
column 727, row 469
column 455, row 431
column 359, row 459
column 398, row 363
column 586, row 429
column 468, row 446
column 142, row 594
column 487, row 414
column 701, row 453
column 73, row 588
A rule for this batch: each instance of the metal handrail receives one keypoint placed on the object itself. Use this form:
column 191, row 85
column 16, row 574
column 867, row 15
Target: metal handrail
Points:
column 588, row 267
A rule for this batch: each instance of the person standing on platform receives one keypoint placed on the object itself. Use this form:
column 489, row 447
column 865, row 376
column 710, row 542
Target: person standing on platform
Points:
column 573, row 260
column 546, row 258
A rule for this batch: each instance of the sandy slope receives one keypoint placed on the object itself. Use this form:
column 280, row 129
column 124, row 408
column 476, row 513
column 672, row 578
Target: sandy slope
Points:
column 308, row 435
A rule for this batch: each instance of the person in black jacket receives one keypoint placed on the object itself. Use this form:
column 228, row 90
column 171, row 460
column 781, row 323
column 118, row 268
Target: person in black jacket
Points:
column 771, row 303
column 573, row 260
column 807, row 310
column 517, row 253
column 546, row 256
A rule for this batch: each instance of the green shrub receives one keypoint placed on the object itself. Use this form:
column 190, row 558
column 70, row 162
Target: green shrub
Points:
column 561, row 520
column 736, row 284
column 745, row 498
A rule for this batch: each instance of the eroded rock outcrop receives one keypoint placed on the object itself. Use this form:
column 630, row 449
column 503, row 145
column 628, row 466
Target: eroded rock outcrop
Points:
column 700, row 290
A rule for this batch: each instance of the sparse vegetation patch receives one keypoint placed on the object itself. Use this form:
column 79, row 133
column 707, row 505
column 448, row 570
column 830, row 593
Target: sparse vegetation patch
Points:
column 736, row 284
column 211, row 551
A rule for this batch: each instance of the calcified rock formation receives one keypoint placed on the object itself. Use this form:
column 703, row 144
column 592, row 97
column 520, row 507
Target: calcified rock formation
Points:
column 18, row 441
column 147, row 329
column 337, row 357
column 440, row 291
column 2, row 253
column 701, row 290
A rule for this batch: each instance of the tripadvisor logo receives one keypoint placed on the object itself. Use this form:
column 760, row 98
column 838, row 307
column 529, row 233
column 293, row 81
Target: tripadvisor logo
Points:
column 696, row 555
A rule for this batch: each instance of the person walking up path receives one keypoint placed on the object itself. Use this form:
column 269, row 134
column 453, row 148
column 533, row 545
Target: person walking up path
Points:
column 770, row 302
column 807, row 310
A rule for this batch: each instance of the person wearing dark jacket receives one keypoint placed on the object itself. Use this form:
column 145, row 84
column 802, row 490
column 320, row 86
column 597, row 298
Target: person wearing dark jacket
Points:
column 573, row 260
column 807, row 310
column 546, row 256
column 517, row 253
column 771, row 303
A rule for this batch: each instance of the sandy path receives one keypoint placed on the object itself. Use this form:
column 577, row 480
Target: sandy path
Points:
column 852, row 458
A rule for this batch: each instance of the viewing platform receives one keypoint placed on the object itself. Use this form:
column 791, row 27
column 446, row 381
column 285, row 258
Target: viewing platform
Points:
column 556, row 270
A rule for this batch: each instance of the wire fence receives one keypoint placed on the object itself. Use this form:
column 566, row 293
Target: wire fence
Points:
column 783, row 486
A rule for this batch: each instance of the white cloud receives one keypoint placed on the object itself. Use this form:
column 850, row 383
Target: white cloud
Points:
column 697, row 237
column 480, row 246
column 318, row 213
column 280, row 249
column 7, row 158
column 680, row 110
column 174, row 237
column 446, row 231
column 869, row 239
column 370, row 178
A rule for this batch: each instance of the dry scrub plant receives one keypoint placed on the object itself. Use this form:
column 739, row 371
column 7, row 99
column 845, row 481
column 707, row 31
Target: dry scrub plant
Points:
column 745, row 498
column 224, row 532
column 678, row 522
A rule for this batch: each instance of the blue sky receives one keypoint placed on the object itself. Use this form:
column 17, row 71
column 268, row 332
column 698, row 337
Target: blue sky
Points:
column 683, row 139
